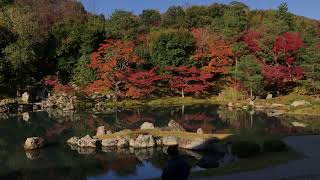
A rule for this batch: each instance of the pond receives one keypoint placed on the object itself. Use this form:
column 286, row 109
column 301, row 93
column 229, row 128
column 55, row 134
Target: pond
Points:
column 60, row 160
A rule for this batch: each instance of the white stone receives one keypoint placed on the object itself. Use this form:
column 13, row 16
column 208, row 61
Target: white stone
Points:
column 33, row 143
column 73, row 140
column 170, row 141
column 298, row 124
column 26, row 116
column 300, row 103
column 147, row 125
column 109, row 142
column 25, row 97
column 200, row 131
column 100, row 131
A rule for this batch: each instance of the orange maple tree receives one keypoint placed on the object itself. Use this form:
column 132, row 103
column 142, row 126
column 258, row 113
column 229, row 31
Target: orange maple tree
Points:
column 112, row 62
column 213, row 53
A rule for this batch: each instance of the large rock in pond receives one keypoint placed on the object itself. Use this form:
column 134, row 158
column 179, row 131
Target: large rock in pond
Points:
column 26, row 97
column 174, row 126
column 87, row 141
column 33, row 143
column 170, row 141
column 109, row 142
column 195, row 144
column 123, row 143
column 147, row 125
column 201, row 144
column 100, row 131
column 73, row 141
column 143, row 141
column 300, row 103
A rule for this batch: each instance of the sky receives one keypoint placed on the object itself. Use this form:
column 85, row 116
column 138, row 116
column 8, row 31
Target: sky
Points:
column 308, row 8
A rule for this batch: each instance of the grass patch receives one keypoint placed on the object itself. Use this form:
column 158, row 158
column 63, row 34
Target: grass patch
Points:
column 159, row 133
column 261, row 161
column 313, row 109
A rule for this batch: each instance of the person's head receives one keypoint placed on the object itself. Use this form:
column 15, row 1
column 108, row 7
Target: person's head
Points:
column 173, row 151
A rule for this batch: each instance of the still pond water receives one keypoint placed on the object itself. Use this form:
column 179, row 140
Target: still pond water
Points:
column 60, row 161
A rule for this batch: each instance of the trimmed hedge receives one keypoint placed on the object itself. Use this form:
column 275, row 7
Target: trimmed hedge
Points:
column 244, row 149
column 274, row 146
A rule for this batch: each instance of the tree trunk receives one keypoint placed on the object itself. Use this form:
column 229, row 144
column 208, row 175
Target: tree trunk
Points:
column 251, row 94
column 182, row 93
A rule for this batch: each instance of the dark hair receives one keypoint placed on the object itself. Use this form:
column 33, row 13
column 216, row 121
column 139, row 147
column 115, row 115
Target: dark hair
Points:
column 173, row 151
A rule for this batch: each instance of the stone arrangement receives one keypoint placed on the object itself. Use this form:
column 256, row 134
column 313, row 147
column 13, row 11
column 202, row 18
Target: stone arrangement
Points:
column 147, row 140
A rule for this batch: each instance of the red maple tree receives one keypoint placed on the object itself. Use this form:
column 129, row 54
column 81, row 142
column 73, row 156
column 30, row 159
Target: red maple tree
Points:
column 282, row 72
column 212, row 52
column 142, row 83
column 112, row 62
column 251, row 38
column 57, row 87
column 188, row 80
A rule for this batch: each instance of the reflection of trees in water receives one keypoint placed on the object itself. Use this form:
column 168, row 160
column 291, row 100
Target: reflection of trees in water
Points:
column 121, row 163
column 242, row 120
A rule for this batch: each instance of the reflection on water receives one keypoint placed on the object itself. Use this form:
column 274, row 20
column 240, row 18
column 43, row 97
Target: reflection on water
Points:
column 60, row 160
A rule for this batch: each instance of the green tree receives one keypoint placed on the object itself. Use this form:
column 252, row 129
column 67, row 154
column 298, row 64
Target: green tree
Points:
column 122, row 25
column 311, row 65
column 197, row 16
column 174, row 17
column 248, row 72
column 172, row 48
column 72, row 40
column 150, row 17
column 235, row 20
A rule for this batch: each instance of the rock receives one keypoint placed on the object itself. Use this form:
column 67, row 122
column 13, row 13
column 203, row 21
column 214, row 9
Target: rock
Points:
column 147, row 125
column 196, row 144
column 109, row 132
column 269, row 96
column 123, row 143
column 26, row 116
column 87, row 141
column 276, row 113
column 300, row 103
column 200, row 131
column 299, row 124
column 159, row 142
column 109, row 142
column 201, row 144
column 73, row 140
column 174, row 126
column 170, row 141
column 100, row 131
column 131, row 142
column 277, row 105
column 143, row 141
column 26, row 98
column 33, row 143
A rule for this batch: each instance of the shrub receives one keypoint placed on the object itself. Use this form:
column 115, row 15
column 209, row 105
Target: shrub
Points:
column 274, row 146
column 244, row 149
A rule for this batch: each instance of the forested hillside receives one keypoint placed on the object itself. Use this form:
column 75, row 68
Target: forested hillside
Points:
column 193, row 51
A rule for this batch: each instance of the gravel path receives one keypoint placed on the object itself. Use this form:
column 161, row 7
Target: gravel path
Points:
column 307, row 168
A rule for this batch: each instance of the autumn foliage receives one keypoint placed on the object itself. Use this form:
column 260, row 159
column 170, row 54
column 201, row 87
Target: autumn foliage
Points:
column 211, row 52
column 188, row 80
column 57, row 87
